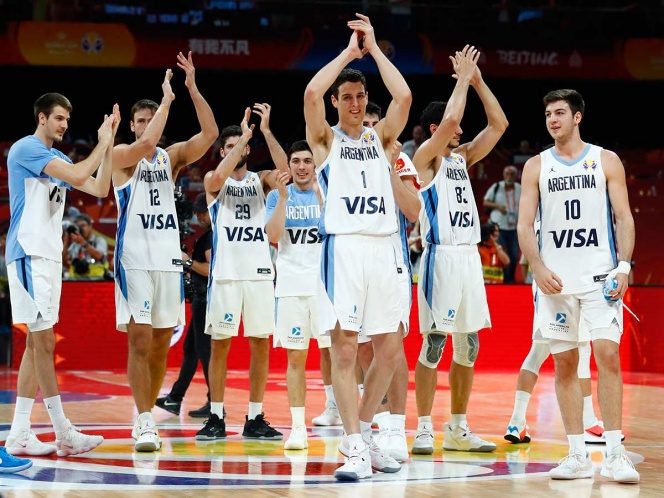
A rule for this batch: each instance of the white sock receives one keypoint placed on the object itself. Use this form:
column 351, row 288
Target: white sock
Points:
column 577, row 444
column 329, row 394
column 297, row 414
column 365, row 430
column 521, row 400
column 423, row 422
column 613, row 441
column 56, row 412
column 458, row 420
column 398, row 422
column 255, row 409
column 217, row 408
column 588, row 412
column 22, row 413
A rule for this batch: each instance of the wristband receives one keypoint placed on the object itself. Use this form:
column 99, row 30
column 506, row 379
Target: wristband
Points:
column 624, row 267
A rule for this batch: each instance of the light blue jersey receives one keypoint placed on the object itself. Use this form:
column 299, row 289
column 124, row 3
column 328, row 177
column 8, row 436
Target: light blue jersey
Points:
column 36, row 201
column 298, row 257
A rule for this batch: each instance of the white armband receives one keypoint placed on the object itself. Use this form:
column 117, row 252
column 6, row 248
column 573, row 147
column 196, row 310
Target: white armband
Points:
column 624, row 267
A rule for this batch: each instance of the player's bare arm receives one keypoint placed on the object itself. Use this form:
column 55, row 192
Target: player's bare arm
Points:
column 614, row 171
column 100, row 184
column 275, row 227
column 185, row 153
column 547, row 281
column 215, row 179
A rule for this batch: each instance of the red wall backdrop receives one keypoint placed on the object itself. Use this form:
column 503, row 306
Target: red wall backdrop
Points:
column 87, row 339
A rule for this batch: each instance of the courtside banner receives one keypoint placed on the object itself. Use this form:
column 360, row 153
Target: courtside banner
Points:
column 75, row 44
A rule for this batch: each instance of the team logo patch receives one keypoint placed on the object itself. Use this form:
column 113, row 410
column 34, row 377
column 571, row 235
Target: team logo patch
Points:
column 228, row 317
column 589, row 164
column 146, row 305
column 458, row 159
column 251, row 180
column 400, row 164
column 161, row 161
column 451, row 314
column 561, row 317
column 296, row 331
column 368, row 138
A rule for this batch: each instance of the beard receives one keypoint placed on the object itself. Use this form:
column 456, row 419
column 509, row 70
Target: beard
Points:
column 241, row 162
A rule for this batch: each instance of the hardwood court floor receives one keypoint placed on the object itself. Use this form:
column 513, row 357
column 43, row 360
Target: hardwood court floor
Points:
column 101, row 403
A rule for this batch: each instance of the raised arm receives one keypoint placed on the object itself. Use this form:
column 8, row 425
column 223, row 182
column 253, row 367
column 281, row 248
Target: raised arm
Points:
column 128, row 155
column 78, row 175
column 276, row 209
column 547, row 281
column 277, row 153
column 185, row 153
column 497, row 123
column 464, row 64
column 625, row 232
column 319, row 134
column 215, row 179
column 100, row 184
column 396, row 116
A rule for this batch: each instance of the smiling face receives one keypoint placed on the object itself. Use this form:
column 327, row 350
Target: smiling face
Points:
column 561, row 122
column 351, row 103
column 302, row 168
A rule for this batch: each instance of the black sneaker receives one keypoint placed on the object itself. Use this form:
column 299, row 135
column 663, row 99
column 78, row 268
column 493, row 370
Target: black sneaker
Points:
column 167, row 403
column 215, row 428
column 259, row 428
column 202, row 412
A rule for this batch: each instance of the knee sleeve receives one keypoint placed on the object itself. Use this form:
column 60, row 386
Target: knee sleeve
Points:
column 539, row 352
column 583, row 370
column 432, row 349
column 466, row 347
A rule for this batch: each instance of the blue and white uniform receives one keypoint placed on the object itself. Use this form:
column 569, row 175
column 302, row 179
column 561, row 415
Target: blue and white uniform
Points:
column 298, row 270
column 451, row 293
column 34, row 240
column 577, row 244
column 358, row 261
column 241, row 282
column 148, row 259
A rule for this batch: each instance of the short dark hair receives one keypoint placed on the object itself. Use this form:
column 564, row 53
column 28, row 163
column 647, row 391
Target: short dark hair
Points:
column 487, row 229
column 298, row 146
column 572, row 97
column 143, row 104
column 346, row 75
column 47, row 102
column 373, row 108
column 83, row 217
column 227, row 132
column 432, row 114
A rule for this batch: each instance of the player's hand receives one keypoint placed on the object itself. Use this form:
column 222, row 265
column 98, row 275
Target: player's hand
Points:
column 281, row 179
column 396, row 150
column 187, row 65
column 464, row 63
column 365, row 33
column 247, row 129
column 166, row 86
column 263, row 110
column 547, row 281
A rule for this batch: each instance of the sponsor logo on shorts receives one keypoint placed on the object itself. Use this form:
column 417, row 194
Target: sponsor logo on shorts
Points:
column 561, row 317
column 451, row 314
column 296, row 331
column 228, row 317
column 560, row 325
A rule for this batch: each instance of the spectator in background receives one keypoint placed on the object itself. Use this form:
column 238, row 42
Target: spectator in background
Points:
column 494, row 258
column 87, row 252
column 523, row 153
column 502, row 200
column 410, row 146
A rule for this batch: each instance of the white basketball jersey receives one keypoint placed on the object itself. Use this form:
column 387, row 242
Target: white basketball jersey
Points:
column 355, row 182
column 298, row 257
column 449, row 214
column 148, row 235
column 577, row 234
column 240, row 247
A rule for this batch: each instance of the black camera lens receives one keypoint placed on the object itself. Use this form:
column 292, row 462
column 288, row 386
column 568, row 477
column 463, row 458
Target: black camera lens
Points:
column 72, row 229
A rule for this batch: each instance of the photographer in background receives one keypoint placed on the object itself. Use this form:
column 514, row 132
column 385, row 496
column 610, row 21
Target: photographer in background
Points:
column 87, row 253
column 196, row 344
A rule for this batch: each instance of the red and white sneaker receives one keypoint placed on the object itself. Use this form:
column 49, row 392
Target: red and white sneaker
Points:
column 517, row 434
column 595, row 433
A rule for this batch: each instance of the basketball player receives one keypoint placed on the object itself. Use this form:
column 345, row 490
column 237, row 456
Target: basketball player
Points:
column 293, row 212
column 579, row 189
column 241, row 285
column 358, row 267
column 451, row 294
column 39, row 176
column 149, row 292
